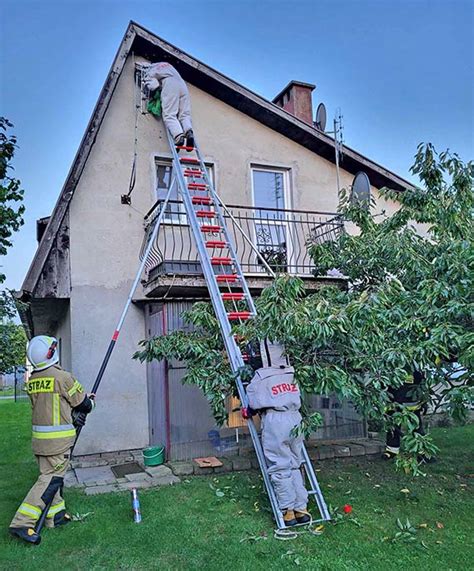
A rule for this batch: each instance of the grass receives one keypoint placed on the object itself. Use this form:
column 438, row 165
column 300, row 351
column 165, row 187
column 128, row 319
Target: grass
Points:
column 10, row 391
column 7, row 392
column 188, row 526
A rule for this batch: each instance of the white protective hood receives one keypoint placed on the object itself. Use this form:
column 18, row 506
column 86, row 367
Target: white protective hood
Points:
column 272, row 354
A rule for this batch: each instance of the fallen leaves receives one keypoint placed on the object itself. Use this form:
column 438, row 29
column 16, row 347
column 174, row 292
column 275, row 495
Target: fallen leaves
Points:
column 293, row 556
column 254, row 538
column 80, row 517
column 406, row 534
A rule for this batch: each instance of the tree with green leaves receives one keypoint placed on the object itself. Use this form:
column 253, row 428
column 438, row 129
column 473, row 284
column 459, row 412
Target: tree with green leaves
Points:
column 11, row 195
column 407, row 305
column 12, row 346
column 11, row 207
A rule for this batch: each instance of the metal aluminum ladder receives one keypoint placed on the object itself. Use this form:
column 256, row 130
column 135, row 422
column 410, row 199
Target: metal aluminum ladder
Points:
column 226, row 283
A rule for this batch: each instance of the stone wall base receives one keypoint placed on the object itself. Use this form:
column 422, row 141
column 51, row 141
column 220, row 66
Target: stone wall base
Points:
column 244, row 460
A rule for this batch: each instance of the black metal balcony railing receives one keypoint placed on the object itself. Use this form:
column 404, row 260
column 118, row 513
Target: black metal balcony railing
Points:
column 280, row 236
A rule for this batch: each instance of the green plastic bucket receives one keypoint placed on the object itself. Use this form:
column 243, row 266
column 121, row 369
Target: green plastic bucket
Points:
column 154, row 456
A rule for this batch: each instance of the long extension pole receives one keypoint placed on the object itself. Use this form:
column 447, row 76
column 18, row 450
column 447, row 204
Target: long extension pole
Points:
column 113, row 341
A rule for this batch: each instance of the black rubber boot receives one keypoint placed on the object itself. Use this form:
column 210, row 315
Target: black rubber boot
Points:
column 62, row 518
column 387, row 455
column 179, row 141
column 27, row 534
column 190, row 140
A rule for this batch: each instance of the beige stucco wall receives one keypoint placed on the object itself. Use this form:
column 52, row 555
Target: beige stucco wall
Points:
column 106, row 237
column 63, row 334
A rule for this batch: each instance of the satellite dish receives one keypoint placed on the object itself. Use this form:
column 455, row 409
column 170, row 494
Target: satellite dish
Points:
column 321, row 116
column 361, row 188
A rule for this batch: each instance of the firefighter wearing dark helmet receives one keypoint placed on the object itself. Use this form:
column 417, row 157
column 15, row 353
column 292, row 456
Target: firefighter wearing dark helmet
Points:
column 59, row 405
column 407, row 396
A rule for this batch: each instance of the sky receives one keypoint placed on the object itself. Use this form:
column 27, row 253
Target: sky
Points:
column 402, row 73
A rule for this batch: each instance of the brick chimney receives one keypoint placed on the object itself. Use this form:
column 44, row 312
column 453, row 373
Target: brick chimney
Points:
column 296, row 99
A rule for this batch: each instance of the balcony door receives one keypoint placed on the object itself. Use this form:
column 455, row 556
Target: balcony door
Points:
column 270, row 191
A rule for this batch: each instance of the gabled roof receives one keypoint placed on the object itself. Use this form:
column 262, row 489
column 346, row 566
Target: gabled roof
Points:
column 146, row 44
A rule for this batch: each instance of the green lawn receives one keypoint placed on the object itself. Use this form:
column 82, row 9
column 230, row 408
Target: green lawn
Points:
column 10, row 391
column 7, row 392
column 188, row 526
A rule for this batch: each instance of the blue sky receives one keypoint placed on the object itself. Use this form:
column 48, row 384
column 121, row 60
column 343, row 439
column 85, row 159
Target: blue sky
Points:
column 402, row 72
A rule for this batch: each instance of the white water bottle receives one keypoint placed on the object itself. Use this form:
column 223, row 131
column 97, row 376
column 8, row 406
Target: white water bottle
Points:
column 137, row 516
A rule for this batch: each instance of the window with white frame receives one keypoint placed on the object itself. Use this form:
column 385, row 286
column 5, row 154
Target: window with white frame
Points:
column 271, row 232
column 175, row 211
column 268, row 188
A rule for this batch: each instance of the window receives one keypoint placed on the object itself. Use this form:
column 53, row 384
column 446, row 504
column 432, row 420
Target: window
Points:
column 175, row 211
column 269, row 189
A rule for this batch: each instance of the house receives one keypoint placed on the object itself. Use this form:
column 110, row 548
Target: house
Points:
column 270, row 165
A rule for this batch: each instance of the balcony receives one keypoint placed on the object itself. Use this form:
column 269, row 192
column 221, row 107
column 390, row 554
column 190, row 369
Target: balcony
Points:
column 280, row 236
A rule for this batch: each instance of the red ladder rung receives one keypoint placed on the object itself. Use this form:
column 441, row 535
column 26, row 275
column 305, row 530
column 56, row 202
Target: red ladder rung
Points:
column 197, row 186
column 233, row 315
column 210, row 228
column 189, row 160
column 216, row 244
column 233, row 296
column 192, row 172
column 227, row 278
column 184, row 148
column 218, row 260
column 202, row 200
column 205, row 214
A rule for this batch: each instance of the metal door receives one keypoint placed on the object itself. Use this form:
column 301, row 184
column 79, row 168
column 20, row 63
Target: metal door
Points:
column 157, row 379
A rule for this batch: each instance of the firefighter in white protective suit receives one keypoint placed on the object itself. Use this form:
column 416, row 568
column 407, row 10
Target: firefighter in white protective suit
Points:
column 273, row 394
column 175, row 100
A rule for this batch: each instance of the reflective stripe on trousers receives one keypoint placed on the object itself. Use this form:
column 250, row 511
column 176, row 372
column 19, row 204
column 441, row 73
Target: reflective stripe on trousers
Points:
column 30, row 511
column 48, row 486
column 56, row 508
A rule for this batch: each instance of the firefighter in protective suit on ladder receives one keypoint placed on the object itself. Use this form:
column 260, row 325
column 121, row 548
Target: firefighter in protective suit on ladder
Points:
column 175, row 101
column 273, row 394
column 59, row 406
